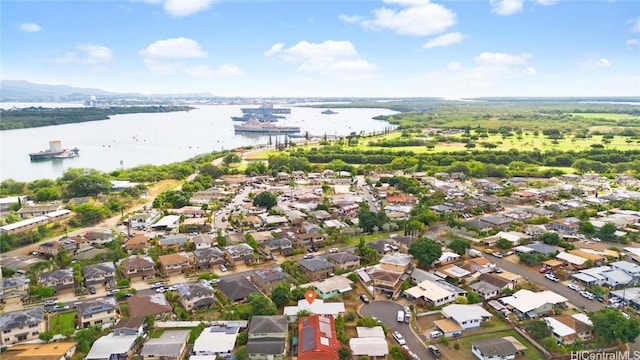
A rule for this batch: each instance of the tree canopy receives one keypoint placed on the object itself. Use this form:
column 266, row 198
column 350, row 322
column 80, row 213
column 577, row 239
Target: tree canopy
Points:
column 610, row 325
column 265, row 199
column 426, row 251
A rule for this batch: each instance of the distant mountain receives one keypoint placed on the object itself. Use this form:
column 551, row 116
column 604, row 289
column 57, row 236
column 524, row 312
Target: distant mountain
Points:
column 21, row 90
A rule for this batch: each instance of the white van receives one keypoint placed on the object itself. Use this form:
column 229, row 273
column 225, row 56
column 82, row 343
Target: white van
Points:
column 400, row 317
column 436, row 334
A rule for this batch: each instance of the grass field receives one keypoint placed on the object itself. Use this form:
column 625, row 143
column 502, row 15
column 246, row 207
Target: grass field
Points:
column 465, row 344
column 608, row 116
column 63, row 323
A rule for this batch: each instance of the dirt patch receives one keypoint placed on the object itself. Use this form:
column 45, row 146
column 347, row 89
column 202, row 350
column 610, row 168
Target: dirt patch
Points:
column 425, row 323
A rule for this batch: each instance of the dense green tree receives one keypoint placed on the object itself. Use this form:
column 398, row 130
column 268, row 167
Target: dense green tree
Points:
column 550, row 238
column 344, row 353
column 538, row 329
column 261, row 305
column 587, row 228
column 241, row 353
column 47, row 194
column 231, row 158
column 42, row 291
column 607, row 232
column 504, row 244
column 426, row 251
column 460, row 246
column 86, row 337
column 88, row 185
column 46, row 336
column 63, row 258
column 265, row 199
column 366, row 252
column 281, row 295
column 610, row 325
column 90, row 213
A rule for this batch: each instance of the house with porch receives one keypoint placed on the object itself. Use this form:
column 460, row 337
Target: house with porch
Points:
column 344, row 260
column 174, row 264
column 20, row 326
column 268, row 337
column 138, row 266
column 62, row 280
column 267, row 279
column 240, row 253
column 208, row 258
column 103, row 274
column 195, row 295
column 97, row 312
column 315, row 269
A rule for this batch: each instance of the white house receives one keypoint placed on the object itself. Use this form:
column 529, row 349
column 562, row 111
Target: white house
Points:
column 215, row 341
column 467, row 316
column 318, row 306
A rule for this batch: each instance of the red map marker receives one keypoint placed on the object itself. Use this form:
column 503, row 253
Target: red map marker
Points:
column 310, row 295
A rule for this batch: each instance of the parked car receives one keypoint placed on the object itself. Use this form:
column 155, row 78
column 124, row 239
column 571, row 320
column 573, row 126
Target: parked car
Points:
column 60, row 307
column 160, row 289
column 400, row 317
column 92, row 290
column 308, row 256
column 574, row 287
column 172, row 288
column 434, row 351
column 333, row 250
column 551, row 277
column 50, row 302
column 223, row 268
column 497, row 254
column 399, row 338
column 364, row 298
column 543, row 270
column 587, row 295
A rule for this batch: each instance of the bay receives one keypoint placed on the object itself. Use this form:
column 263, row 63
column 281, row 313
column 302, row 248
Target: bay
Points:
column 125, row 141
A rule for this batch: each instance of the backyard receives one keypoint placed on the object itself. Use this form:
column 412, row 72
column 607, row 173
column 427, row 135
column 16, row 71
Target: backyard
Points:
column 464, row 350
column 63, row 323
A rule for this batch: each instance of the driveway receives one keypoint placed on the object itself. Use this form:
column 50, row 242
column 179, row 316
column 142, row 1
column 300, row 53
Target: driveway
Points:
column 386, row 311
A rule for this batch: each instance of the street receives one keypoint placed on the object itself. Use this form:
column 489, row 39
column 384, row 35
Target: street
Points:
column 386, row 312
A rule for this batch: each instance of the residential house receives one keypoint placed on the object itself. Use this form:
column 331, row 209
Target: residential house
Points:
column 138, row 266
column 370, row 343
column 174, row 264
column 195, row 295
column 99, row 237
column 331, row 287
column 468, row 317
column 103, row 274
column 40, row 351
column 497, row 281
column 51, row 248
column 112, row 347
column 535, row 231
column 485, row 290
column 97, row 312
column 315, row 269
column 142, row 220
column 494, row 348
column 396, row 262
column 569, row 225
column 190, row 212
column 452, row 271
column 308, row 240
column 61, row 280
column 208, row 258
column 267, row 338
column 630, row 268
column 215, row 341
column 496, row 222
column 267, row 279
column 280, row 246
column 20, row 326
column 317, row 307
column 167, row 223
column 14, row 290
column 344, row 260
column 129, row 326
column 202, row 241
column 531, row 304
column 432, row 292
column 238, row 290
column 37, row 210
column 138, row 243
column 318, row 339
column 570, row 329
column 171, row 345
column 153, row 304
column 447, row 257
column 7, row 202
column 175, row 242
column 402, row 242
column 240, row 253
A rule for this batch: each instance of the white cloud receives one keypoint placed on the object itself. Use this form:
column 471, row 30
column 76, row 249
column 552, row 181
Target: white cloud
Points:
column 635, row 25
column 181, row 8
column 30, row 27
column 547, row 2
column 276, row 48
column 506, row 7
column 176, row 48
column 444, row 40
column 595, row 64
column 204, row 71
column 416, row 17
column 87, row 54
column 501, row 59
column 491, row 72
column 349, row 19
column 632, row 42
column 336, row 59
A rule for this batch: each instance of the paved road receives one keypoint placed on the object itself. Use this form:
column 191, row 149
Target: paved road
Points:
column 534, row 276
column 386, row 311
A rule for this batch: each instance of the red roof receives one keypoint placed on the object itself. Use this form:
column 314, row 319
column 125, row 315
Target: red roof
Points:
column 317, row 338
column 402, row 198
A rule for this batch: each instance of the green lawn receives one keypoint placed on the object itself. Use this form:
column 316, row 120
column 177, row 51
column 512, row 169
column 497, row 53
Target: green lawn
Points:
column 63, row 323
column 608, row 116
column 124, row 308
column 156, row 334
column 531, row 353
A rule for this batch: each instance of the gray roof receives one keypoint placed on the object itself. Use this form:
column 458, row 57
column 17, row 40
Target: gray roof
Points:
column 268, row 324
column 275, row 243
column 169, row 344
column 315, row 264
column 14, row 281
column 106, row 268
column 202, row 239
column 18, row 319
column 543, row 248
column 494, row 346
column 343, row 257
column 237, row 289
column 173, row 240
column 57, row 275
column 269, row 346
column 88, row 308
column 271, row 274
column 207, row 253
column 484, row 287
column 195, row 289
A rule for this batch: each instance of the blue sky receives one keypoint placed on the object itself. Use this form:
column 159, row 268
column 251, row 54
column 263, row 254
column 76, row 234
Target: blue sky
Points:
column 392, row 48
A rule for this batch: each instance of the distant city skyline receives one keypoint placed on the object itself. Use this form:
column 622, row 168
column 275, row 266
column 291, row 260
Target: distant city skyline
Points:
column 391, row 48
